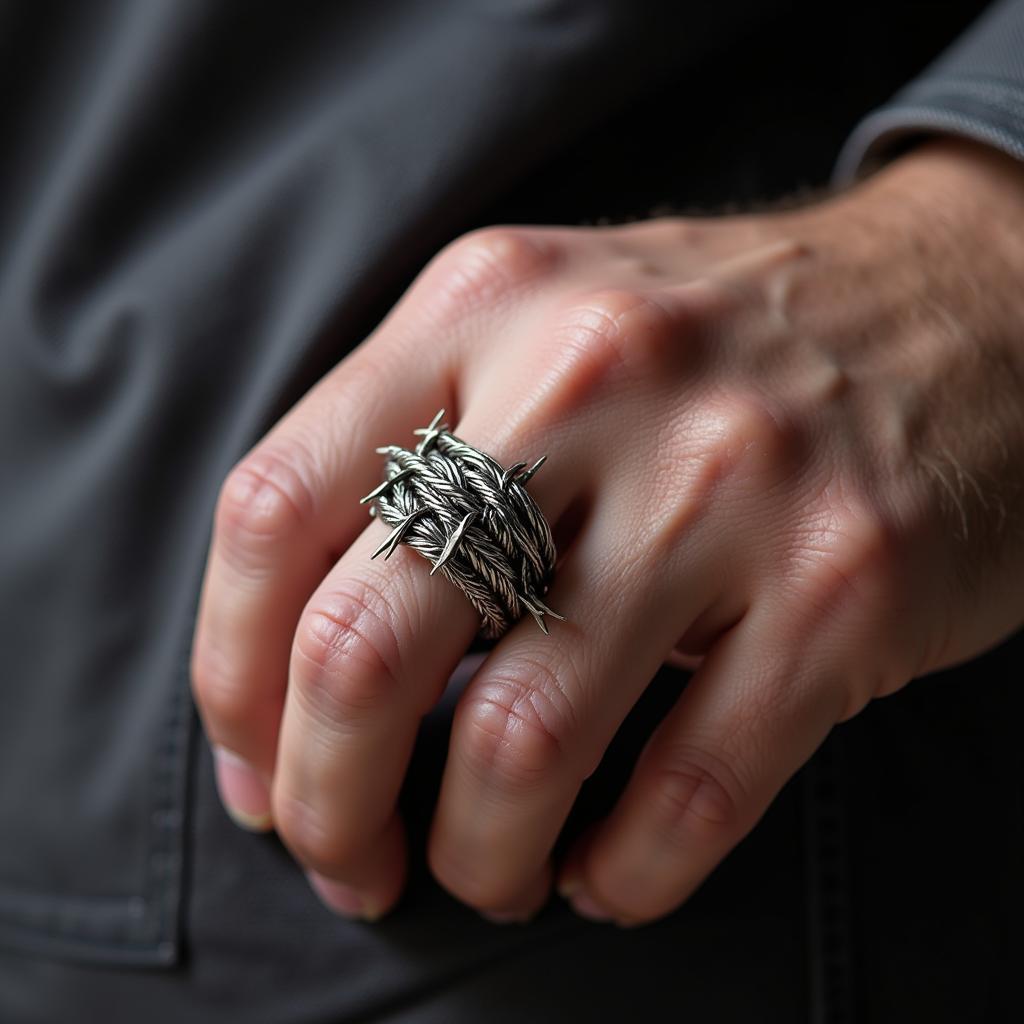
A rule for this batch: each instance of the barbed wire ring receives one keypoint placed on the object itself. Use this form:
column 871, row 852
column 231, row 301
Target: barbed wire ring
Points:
column 473, row 520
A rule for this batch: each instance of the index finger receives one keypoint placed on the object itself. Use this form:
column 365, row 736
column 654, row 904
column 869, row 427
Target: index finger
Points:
column 283, row 513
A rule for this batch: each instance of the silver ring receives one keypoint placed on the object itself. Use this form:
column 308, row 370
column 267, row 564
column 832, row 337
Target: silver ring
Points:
column 473, row 520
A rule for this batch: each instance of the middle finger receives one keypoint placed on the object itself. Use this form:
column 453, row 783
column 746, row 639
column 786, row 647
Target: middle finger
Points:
column 538, row 715
column 372, row 653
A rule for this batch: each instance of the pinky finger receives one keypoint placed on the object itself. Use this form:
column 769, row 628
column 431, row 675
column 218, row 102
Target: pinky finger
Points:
column 753, row 713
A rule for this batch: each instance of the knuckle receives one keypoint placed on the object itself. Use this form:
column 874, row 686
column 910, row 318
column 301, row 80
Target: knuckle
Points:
column 264, row 500
column 684, row 232
column 854, row 579
column 855, row 554
column 517, row 725
column 615, row 336
column 694, row 795
column 462, row 874
column 347, row 662
column 312, row 837
column 361, row 381
column 744, row 431
column 480, row 267
column 223, row 698
column 735, row 442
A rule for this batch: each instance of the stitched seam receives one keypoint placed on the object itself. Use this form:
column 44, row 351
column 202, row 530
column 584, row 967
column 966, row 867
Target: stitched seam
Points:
column 141, row 929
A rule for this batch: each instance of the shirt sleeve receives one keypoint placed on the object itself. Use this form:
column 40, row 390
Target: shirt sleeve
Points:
column 974, row 89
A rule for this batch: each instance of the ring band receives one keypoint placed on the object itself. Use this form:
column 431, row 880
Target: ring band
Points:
column 473, row 520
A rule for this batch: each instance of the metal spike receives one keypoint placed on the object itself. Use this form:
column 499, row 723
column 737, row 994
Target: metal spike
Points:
column 547, row 610
column 453, row 540
column 533, row 469
column 429, row 433
column 382, row 487
column 431, row 426
column 538, row 616
column 394, row 538
column 424, row 446
column 387, row 540
column 509, row 473
column 403, row 529
column 535, row 612
column 538, row 609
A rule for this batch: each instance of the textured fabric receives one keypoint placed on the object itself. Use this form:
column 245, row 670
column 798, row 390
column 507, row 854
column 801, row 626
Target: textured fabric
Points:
column 974, row 90
column 202, row 208
column 207, row 207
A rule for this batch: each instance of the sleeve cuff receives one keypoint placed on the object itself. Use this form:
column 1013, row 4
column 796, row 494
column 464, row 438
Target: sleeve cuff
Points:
column 986, row 110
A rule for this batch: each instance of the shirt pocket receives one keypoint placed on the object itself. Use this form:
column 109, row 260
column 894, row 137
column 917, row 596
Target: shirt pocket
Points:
column 93, row 766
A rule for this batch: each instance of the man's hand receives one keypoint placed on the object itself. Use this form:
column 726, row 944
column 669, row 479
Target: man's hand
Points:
column 791, row 443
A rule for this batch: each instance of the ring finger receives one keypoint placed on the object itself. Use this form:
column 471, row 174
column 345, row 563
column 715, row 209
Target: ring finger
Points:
column 538, row 715
column 372, row 653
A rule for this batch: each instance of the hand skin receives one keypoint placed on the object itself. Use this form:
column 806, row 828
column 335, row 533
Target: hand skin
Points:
column 793, row 447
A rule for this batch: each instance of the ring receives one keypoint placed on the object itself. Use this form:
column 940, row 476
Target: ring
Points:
column 473, row 520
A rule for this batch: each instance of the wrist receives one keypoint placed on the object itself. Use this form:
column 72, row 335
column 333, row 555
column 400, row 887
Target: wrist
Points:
column 935, row 237
column 965, row 174
column 955, row 199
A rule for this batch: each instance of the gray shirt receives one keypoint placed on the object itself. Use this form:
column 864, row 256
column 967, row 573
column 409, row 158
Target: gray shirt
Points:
column 203, row 207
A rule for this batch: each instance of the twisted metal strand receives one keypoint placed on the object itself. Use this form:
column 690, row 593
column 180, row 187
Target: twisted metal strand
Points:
column 473, row 520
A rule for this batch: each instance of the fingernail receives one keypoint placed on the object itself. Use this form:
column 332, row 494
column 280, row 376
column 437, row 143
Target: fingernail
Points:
column 586, row 906
column 342, row 899
column 242, row 791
